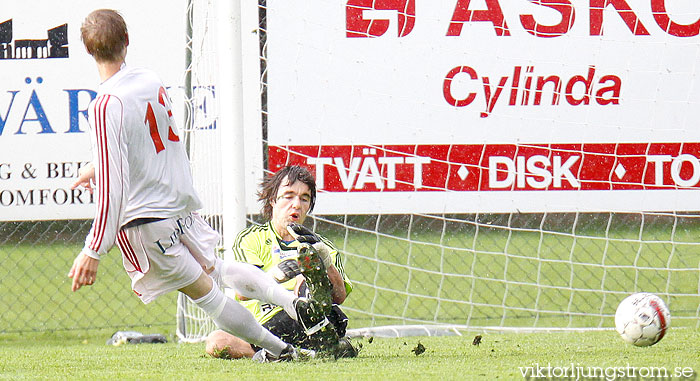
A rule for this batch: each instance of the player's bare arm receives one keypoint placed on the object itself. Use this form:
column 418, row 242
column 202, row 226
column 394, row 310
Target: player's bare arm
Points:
column 338, row 293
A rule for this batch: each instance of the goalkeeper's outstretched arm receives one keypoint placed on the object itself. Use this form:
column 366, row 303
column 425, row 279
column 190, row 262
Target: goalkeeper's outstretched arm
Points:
column 338, row 294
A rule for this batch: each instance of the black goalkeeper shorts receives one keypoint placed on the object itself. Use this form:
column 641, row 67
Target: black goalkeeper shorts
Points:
column 290, row 331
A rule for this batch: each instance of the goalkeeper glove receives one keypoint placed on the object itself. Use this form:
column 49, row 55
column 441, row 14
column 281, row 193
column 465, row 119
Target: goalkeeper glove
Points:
column 303, row 234
column 286, row 270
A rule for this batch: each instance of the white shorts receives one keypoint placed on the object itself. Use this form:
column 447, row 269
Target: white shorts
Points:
column 167, row 255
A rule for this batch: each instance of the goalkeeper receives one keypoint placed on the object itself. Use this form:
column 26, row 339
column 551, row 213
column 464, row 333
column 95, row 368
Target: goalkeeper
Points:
column 287, row 197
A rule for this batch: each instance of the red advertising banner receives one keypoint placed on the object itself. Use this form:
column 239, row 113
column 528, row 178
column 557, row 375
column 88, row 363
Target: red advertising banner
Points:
column 496, row 167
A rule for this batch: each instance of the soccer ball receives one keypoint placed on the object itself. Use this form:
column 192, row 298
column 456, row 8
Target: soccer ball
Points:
column 642, row 319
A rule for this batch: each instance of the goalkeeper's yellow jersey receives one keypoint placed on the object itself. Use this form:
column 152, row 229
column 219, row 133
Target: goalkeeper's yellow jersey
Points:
column 261, row 246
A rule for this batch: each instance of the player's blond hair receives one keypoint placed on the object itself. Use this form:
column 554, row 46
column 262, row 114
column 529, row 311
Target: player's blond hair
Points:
column 104, row 35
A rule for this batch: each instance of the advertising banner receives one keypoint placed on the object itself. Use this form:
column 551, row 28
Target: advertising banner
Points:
column 48, row 81
column 488, row 106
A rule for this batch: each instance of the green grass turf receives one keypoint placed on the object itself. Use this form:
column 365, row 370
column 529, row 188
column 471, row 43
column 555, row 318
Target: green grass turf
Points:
column 483, row 278
column 59, row 356
column 36, row 293
column 490, row 276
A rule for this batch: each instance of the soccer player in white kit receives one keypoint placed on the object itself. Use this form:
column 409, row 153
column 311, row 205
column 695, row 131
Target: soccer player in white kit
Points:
column 146, row 202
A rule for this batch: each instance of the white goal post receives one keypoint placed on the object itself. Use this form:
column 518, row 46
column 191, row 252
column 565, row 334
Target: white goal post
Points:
column 480, row 165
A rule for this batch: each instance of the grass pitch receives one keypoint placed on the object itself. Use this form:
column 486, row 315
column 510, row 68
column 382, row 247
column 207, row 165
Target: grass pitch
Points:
column 523, row 271
column 508, row 356
column 487, row 277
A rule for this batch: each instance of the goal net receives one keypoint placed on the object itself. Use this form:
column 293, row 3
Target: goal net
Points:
column 480, row 165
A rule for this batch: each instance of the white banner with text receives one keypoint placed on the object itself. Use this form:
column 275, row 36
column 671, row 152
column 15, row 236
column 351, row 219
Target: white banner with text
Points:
column 488, row 106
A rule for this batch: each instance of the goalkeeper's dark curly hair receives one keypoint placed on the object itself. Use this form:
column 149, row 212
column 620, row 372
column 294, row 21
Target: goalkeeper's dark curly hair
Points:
column 271, row 184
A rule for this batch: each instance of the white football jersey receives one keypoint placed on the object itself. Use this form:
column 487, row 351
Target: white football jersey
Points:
column 141, row 168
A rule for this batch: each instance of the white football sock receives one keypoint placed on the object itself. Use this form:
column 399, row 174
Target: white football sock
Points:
column 251, row 282
column 235, row 319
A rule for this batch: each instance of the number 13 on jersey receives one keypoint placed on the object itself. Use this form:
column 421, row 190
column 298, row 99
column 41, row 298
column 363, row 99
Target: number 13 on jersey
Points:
column 152, row 123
